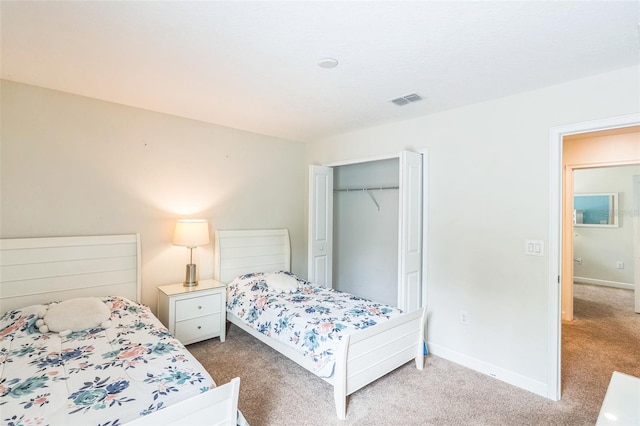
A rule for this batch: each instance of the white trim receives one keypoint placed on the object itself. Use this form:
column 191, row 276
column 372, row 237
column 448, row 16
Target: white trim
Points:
column 491, row 370
column 425, row 223
column 603, row 283
column 556, row 135
column 636, row 241
column 555, row 264
column 362, row 160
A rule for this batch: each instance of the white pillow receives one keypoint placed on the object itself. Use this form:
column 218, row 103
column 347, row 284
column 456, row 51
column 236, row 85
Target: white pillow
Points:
column 75, row 315
column 283, row 283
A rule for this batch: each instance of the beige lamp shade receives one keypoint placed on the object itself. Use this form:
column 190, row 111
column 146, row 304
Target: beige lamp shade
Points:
column 191, row 233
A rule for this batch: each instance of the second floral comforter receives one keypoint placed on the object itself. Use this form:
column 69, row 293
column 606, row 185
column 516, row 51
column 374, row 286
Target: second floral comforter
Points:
column 310, row 319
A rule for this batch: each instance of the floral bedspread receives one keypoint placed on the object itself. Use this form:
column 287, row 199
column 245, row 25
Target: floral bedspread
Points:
column 93, row 377
column 311, row 319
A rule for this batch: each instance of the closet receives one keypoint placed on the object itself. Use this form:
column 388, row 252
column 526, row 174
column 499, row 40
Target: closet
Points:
column 365, row 228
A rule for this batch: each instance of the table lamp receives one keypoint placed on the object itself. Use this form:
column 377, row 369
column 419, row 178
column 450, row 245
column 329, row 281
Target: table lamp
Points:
column 191, row 233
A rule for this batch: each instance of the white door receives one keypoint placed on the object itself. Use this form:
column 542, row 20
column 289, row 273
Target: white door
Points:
column 410, row 229
column 410, row 232
column 320, row 225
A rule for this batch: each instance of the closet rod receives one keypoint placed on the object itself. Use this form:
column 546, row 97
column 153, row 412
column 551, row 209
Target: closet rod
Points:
column 377, row 188
column 368, row 191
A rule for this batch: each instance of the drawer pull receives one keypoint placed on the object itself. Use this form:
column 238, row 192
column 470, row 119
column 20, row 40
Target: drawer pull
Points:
column 199, row 307
column 199, row 327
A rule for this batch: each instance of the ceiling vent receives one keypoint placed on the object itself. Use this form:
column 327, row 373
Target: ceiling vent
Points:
column 407, row 99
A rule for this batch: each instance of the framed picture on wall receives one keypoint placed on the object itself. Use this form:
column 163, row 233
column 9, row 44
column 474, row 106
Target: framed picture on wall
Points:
column 596, row 210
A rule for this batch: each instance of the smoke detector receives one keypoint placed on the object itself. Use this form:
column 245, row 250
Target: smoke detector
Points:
column 328, row 63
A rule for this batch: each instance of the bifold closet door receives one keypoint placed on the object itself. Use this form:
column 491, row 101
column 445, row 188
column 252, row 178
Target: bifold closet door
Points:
column 410, row 232
column 320, row 264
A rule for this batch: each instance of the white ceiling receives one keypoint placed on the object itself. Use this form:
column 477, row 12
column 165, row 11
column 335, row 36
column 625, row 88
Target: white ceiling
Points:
column 253, row 65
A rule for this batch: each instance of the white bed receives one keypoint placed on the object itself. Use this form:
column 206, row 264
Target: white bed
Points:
column 360, row 358
column 37, row 271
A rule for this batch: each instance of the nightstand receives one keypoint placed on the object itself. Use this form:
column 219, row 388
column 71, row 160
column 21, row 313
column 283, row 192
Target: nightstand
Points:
column 194, row 313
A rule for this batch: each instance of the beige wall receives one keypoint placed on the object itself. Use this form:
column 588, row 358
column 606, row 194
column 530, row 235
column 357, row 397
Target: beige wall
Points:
column 620, row 146
column 76, row 166
column 601, row 248
column 488, row 192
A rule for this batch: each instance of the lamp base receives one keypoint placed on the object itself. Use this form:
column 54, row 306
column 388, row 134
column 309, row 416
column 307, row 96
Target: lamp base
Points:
column 190, row 277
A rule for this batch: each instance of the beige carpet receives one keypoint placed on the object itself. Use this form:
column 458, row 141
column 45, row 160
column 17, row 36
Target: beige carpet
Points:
column 603, row 337
column 275, row 391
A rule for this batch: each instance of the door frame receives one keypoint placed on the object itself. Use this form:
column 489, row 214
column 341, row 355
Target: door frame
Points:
column 636, row 244
column 556, row 199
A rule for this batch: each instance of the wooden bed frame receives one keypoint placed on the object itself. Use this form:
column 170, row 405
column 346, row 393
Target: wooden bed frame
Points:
column 360, row 358
column 42, row 270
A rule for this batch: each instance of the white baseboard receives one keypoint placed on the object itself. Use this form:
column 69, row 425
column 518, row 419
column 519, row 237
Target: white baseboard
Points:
column 603, row 283
column 499, row 373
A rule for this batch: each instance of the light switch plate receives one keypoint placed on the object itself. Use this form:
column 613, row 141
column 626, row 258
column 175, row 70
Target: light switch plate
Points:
column 534, row 248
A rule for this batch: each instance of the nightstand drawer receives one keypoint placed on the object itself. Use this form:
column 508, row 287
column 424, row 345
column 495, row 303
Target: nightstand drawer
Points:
column 197, row 306
column 193, row 314
column 198, row 328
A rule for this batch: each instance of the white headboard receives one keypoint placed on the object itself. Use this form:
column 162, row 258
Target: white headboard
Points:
column 40, row 270
column 241, row 252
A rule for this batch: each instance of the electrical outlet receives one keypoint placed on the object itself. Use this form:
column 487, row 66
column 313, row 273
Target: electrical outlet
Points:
column 620, row 265
column 464, row 318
